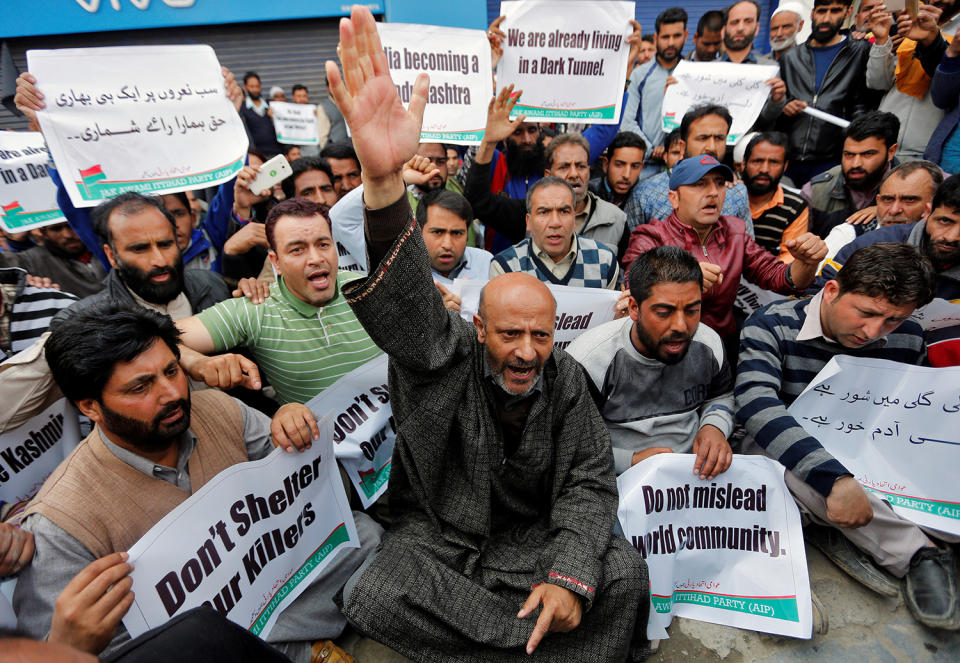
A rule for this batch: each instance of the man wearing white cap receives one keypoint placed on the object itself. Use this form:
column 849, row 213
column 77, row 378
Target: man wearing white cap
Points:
column 786, row 22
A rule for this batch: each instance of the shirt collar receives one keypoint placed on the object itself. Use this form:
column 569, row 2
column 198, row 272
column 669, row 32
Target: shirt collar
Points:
column 187, row 444
column 773, row 202
column 545, row 257
column 249, row 104
column 812, row 329
column 300, row 306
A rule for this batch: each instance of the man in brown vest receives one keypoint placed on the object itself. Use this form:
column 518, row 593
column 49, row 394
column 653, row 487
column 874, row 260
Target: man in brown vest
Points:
column 153, row 445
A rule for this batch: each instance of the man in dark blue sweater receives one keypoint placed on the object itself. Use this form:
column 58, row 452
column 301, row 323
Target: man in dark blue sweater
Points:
column 863, row 312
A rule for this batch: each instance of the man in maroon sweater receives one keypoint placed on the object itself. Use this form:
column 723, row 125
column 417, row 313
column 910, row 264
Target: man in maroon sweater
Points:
column 721, row 244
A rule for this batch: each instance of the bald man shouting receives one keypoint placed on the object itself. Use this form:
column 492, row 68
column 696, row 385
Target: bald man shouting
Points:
column 502, row 488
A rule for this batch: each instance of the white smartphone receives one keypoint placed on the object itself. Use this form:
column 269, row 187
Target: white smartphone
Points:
column 275, row 170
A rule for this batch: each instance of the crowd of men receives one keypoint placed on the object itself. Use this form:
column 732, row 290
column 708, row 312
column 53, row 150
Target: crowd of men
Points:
column 190, row 329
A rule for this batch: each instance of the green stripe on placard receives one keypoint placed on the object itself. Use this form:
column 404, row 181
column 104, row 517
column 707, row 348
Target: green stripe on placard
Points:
column 775, row 607
column 111, row 188
column 601, row 113
column 371, row 484
column 21, row 219
column 338, row 537
column 933, row 507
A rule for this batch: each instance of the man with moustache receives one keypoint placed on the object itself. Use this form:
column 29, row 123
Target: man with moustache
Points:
column 154, row 444
column 740, row 27
column 139, row 240
column 779, row 214
column 568, row 158
column 622, row 164
column 826, row 72
column 63, row 259
column 422, row 180
column 785, row 23
column 708, row 39
column 938, row 238
column 642, row 369
column 642, row 110
column 869, row 151
column 906, row 196
column 444, row 218
column 703, row 130
column 721, row 244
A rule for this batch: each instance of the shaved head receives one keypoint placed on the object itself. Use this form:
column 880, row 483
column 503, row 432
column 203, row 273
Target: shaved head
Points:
column 515, row 323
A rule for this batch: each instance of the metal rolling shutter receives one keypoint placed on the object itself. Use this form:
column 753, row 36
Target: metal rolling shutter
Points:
column 281, row 52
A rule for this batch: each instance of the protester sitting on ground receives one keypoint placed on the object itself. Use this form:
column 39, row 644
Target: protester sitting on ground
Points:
column 779, row 215
column 703, row 130
column 697, row 191
column 554, row 252
column 659, row 377
column 304, row 336
column 502, row 479
column 938, row 238
column 567, row 157
column 154, row 444
column 863, row 312
column 62, row 258
column 444, row 218
column 869, row 151
column 905, row 196
column 622, row 163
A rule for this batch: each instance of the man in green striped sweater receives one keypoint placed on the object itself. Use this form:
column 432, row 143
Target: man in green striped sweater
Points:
column 303, row 336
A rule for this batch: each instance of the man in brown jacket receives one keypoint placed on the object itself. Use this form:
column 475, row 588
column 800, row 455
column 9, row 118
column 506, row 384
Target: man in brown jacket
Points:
column 153, row 445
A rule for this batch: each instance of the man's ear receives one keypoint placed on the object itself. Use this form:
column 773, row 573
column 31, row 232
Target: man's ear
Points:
column 831, row 290
column 91, row 408
column 481, row 330
column 892, row 152
column 633, row 309
column 274, row 261
column 674, row 199
column 111, row 258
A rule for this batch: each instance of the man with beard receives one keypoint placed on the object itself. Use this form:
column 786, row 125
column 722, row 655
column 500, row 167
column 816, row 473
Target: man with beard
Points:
column 863, row 311
column 567, row 158
column 869, row 150
column 708, row 39
column 444, row 218
column 139, row 240
column 659, row 377
column 697, row 192
column 63, row 259
column 502, row 481
column 345, row 166
column 303, row 335
column 939, row 239
column 785, row 23
column 906, row 196
column 703, row 130
column 740, row 27
column 826, row 72
column 154, row 444
column 622, row 164
column 642, row 112
column 779, row 215
column 255, row 114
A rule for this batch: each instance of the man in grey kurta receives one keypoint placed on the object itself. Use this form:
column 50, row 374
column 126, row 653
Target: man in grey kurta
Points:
column 494, row 491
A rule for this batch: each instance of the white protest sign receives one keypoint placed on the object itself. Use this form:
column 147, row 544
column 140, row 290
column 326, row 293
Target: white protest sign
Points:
column 28, row 197
column 363, row 428
column 578, row 309
column 295, row 124
column 895, row 427
column 739, row 87
column 247, row 543
column 569, row 58
column 31, row 451
column 938, row 314
column 458, row 62
column 153, row 119
column 752, row 297
column 727, row 551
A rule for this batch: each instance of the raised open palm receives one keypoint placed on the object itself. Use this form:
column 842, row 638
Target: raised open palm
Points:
column 385, row 135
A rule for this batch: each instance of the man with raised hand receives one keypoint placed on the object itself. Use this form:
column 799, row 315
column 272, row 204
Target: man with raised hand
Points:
column 502, row 479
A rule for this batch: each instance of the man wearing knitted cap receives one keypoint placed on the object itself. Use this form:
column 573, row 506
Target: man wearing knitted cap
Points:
column 721, row 244
column 786, row 22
